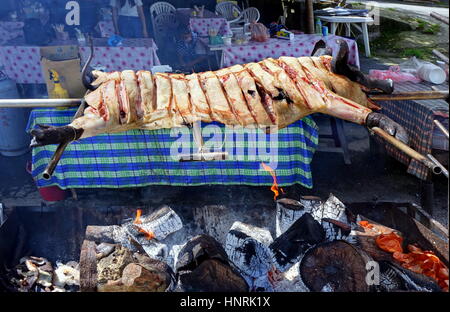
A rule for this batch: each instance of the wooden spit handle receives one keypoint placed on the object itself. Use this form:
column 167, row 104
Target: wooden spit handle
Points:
column 414, row 95
column 407, row 150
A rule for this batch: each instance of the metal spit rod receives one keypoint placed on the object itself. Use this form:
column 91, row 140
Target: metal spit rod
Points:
column 441, row 127
column 24, row 103
column 436, row 169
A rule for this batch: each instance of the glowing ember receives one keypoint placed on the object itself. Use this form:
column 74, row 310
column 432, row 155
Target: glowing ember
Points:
column 148, row 234
column 275, row 189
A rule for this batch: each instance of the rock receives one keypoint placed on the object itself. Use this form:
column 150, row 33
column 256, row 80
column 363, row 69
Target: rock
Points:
column 110, row 268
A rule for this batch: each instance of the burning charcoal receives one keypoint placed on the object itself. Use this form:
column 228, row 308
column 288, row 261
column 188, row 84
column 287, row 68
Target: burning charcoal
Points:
column 247, row 247
column 203, row 265
column 290, row 247
column 396, row 278
column 288, row 211
column 158, row 225
column 335, row 265
column 335, row 230
column 111, row 267
column 333, row 208
column 66, row 275
column 104, row 250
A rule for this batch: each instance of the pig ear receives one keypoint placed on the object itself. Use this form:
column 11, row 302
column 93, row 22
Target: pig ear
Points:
column 86, row 73
column 321, row 49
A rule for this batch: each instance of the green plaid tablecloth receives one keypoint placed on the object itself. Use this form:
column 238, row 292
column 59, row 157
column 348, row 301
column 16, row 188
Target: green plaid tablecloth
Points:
column 139, row 158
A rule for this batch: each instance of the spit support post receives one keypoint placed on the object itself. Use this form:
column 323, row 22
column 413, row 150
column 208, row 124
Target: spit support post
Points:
column 201, row 155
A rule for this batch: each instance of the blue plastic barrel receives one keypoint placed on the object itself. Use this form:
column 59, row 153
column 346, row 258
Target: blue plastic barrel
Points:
column 14, row 140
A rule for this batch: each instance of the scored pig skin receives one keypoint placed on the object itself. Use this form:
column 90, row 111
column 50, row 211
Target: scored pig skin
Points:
column 273, row 92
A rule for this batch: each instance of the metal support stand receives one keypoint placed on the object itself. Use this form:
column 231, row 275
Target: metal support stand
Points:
column 427, row 195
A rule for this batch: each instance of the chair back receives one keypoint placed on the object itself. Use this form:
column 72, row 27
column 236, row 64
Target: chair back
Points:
column 164, row 27
column 161, row 7
column 228, row 10
column 251, row 15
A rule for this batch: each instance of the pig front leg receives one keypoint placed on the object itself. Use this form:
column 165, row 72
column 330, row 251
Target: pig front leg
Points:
column 351, row 111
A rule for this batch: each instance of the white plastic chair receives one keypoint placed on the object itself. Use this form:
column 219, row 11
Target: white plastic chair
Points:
column 230, row 11
column 247, row 16
column 251, row 15
column 158, row 8
column 161, row 7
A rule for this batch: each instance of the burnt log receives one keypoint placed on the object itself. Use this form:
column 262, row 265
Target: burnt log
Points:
column 366, row 236
column 394, row 277
column 111, row 234
column 247, row 247
column 290, row 247
column 88, row 267
column 159, row 224
column 213, row 220
column 333, row 208
column 336, row 230
column 290, row 210
column 203, row 265
column 335, row 266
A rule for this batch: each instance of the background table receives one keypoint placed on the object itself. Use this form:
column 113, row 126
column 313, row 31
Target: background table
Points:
column 106, row 28
column 22, row 62
column 140, row 158
column 201, row 25
column 417, row 118
column 301, row 45
column 10, row 30
column 348, row 21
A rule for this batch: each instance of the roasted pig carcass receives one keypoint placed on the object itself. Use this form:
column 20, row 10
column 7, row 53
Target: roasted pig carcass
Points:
column 273, row 92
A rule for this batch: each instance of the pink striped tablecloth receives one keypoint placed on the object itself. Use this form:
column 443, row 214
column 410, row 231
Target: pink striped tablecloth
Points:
column 10, row 30
column 202, row 25
column 106, row 28
column 301, row 45
column 22, row 63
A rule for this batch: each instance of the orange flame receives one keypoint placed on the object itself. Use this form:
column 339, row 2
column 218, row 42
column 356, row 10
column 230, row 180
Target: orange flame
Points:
column 275, row 189
column 137, row 220
column 148, row 234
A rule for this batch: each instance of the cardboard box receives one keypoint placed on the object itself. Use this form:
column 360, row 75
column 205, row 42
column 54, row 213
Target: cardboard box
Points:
column 69, row 72
column 60, row 53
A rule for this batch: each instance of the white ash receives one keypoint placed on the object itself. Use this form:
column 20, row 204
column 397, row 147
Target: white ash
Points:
column 327, row 288
column 290, row 281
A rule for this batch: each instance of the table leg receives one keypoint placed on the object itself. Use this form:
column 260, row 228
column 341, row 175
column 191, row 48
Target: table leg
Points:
column 333, row 28
column 347, row 29
column 366, row 39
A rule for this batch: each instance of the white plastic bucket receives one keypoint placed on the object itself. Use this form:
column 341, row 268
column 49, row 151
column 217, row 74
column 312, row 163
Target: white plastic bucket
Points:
column 431, row 73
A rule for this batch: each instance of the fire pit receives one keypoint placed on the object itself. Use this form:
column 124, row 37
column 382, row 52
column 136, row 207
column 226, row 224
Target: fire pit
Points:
column 296, row 245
